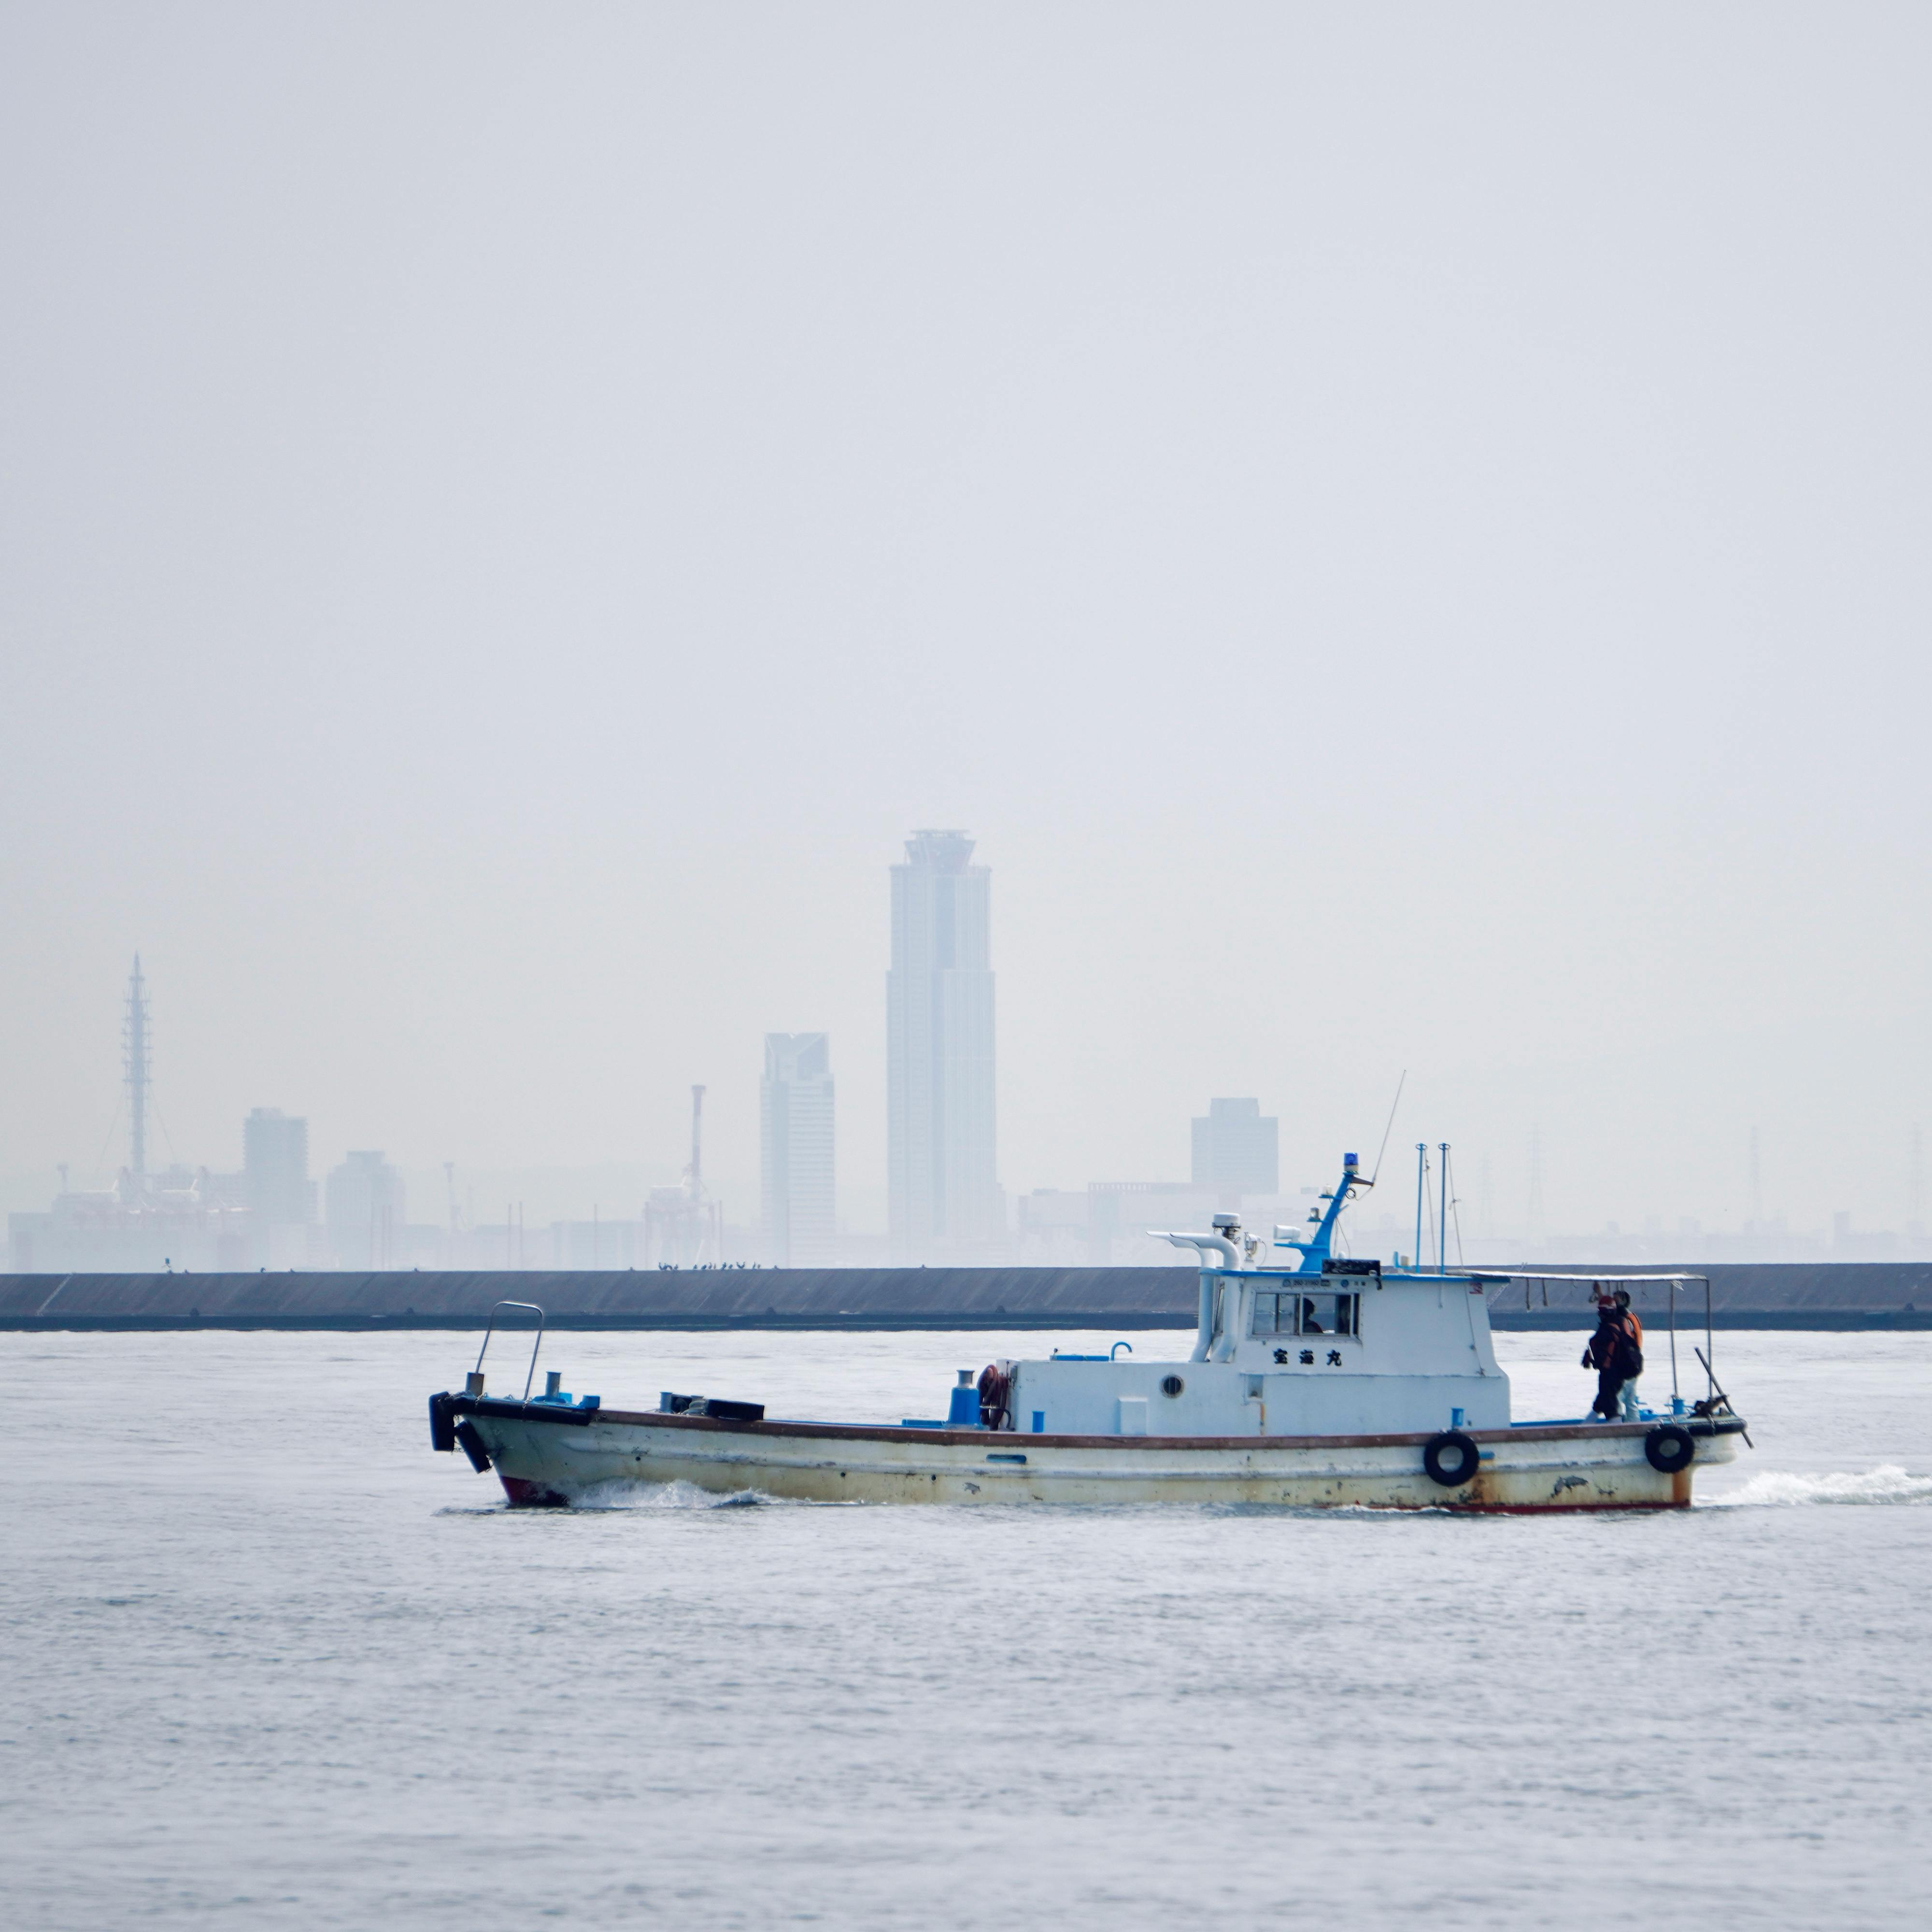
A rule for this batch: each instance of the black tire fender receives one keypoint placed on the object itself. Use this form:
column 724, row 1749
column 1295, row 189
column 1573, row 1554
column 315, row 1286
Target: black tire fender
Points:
column 1451, row 1459
column 1668, row 1449
column 442, row 1423
column 471, row 1439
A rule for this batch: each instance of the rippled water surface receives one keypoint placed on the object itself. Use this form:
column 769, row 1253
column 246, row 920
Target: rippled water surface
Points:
column 270, row 1662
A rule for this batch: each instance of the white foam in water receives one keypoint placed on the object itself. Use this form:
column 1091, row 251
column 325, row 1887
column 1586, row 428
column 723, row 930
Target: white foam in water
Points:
column 666, row 1496
column 1888, row 1483
column 633, row 1496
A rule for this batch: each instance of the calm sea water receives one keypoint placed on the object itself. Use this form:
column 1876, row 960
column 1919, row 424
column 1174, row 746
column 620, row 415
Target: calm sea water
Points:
column 270, row 1663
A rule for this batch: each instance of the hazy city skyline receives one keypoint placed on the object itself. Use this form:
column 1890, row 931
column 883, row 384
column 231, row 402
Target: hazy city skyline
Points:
column 1403, row 547
column 272, row 1211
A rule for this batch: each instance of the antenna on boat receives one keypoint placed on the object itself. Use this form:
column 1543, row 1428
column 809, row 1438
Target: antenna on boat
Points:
column 1442, row 1238
column 1421, row 1168
column 1390, row 1127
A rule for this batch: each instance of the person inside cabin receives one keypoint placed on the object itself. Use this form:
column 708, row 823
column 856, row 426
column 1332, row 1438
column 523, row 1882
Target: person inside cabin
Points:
column 1309, row 1325
column 1632, row 1355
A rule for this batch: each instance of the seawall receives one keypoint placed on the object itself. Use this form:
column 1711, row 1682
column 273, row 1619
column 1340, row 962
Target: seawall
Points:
column 1846, row 1295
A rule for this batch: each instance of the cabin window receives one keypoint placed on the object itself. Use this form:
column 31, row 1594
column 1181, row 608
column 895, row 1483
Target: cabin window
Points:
column 1295, row 1313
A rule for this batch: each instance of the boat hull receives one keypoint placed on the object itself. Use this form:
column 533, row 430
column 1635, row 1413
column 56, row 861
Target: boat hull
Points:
column 565, row 1457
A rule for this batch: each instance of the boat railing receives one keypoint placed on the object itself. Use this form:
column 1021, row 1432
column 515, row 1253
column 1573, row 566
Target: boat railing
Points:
column 476, row 1374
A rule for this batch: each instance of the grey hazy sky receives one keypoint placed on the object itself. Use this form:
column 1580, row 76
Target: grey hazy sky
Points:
column 1401, row 530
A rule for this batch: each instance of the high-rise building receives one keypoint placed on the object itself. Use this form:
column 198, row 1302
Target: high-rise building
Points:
column 1236, row 1150
column 942, row 1174
column 275, row 1187
column 365, row 1212
column 799, row 1197
column 275, row 1163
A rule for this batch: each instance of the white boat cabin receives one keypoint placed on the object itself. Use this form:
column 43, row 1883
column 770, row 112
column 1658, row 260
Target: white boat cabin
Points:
column 1330, row 1347
column 1340, row 1354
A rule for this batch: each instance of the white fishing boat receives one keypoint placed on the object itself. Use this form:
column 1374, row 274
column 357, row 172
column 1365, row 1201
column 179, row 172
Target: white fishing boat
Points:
column 1331, row 1381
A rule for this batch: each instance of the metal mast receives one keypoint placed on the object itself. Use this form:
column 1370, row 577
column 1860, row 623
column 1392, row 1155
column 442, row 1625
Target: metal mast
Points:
column 1421, row 1168
column 134, row 1062
column 1442, row 1238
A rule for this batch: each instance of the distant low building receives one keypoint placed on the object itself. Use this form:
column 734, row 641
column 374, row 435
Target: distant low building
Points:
column 598, row 1243
column 1105, row 1224
column 179, row 1219
column 1236, row 1150
column 366, row 1212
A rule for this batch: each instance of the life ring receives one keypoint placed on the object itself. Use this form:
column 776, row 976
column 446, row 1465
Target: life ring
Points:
column 1667, row 1449
column 1450, row 1459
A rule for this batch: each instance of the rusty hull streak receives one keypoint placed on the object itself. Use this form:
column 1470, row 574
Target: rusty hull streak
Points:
column 524, row 1494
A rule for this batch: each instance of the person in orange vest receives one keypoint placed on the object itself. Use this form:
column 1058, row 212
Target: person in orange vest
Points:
column 1616, row 1355
column 1633, row 1354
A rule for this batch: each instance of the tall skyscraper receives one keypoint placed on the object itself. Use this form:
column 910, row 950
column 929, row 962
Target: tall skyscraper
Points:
column 1236, row 1150
column 799, row 1194
column 942, row 1174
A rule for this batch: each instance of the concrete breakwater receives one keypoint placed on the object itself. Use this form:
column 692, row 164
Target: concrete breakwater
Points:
column 1850, row 1295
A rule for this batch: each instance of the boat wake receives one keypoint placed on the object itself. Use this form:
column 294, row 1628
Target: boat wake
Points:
column 1778, row 1488
column 664, row 1496
column 634, row 1496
